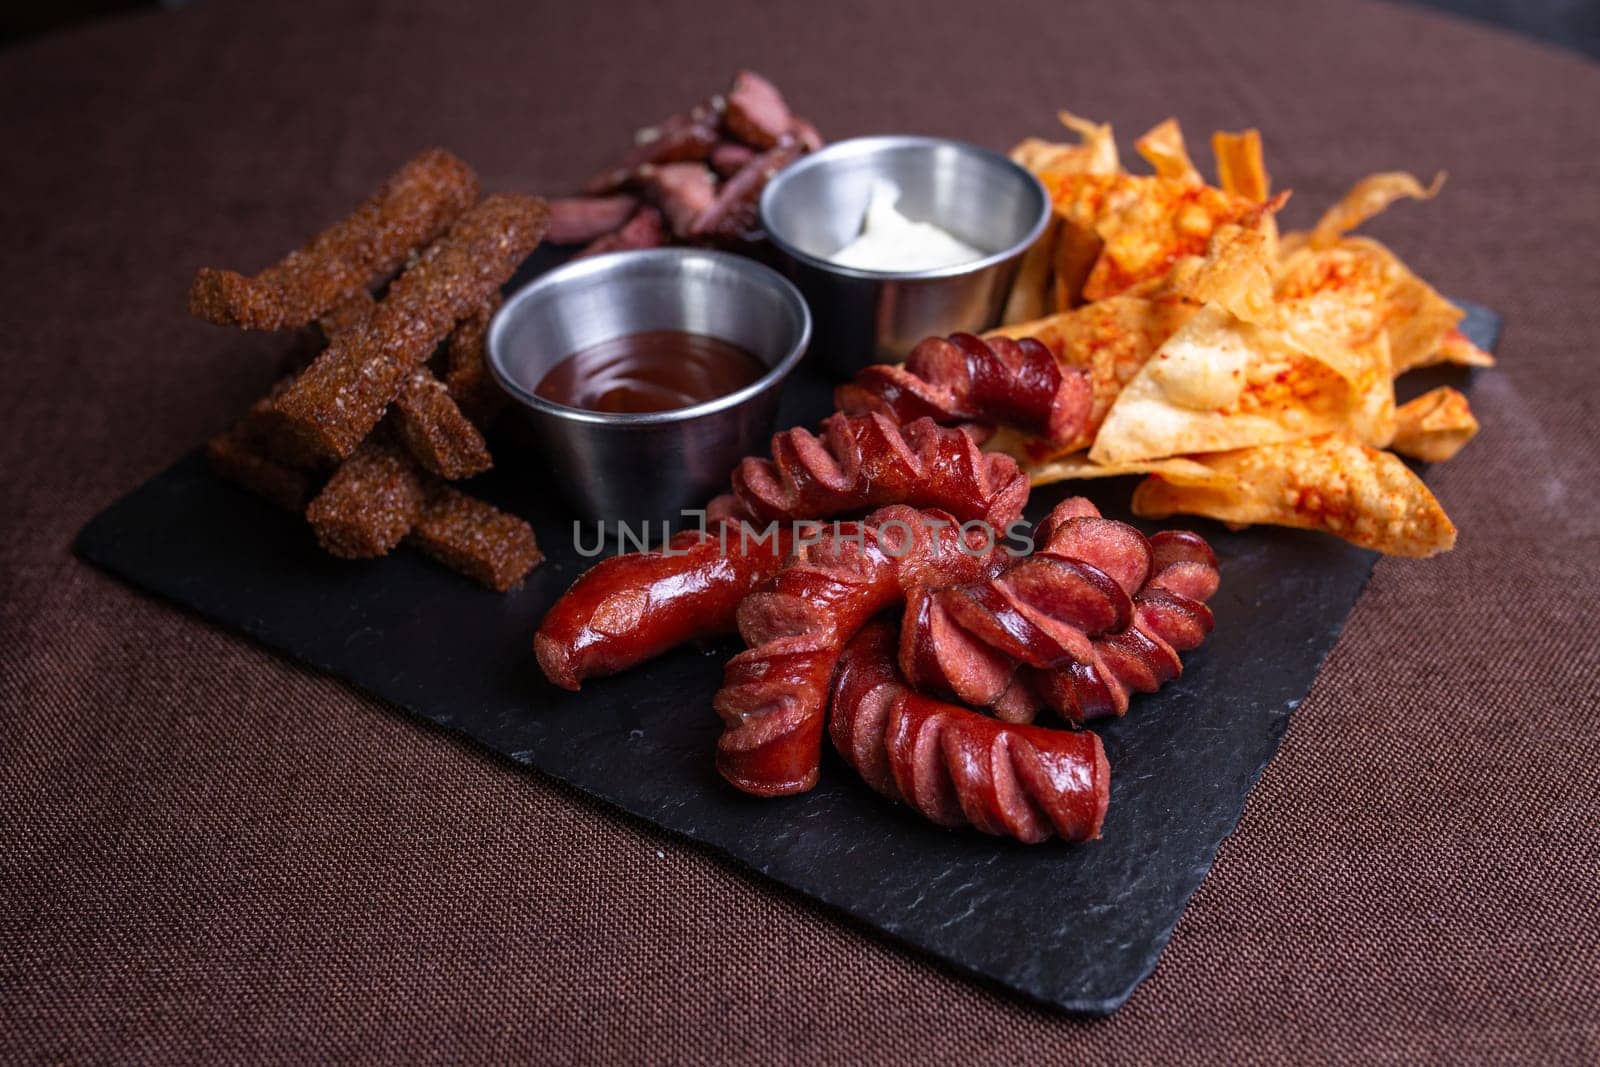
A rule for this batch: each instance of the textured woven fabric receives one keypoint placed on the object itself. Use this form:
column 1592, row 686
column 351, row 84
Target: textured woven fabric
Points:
column 209, row 853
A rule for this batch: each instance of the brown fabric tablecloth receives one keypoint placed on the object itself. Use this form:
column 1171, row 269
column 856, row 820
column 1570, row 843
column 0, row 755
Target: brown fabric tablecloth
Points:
column 209, row 853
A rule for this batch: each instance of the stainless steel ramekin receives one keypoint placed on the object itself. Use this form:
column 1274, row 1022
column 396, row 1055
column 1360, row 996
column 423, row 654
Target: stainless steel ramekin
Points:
column 646, row 467
column 814, row 207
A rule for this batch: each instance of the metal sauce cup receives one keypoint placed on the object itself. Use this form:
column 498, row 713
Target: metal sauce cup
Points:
column 647, row 467
column 813, row 208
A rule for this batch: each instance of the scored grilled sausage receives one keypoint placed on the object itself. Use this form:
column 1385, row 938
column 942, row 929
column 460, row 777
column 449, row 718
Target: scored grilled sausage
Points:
column 1170, row 616
column 866, row 461
column 627, row 609
column 1097, row 613
column 959, row 768
column 968, row 641
column 963, row 378
column 774, row 695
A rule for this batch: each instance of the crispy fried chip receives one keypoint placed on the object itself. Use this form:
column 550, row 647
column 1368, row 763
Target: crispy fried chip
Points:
column 1331, row 483
column 1434, row 426
column 1114, row 338
column 1118, row 229
column 1364, row 288
column 1111, row 339
column 1236, row 271
column 1456, row 348
column 1372, row 418
column 1095, row 152
column 1240, row 168
column 1367, row 288
column 1221, row 383
column 1078, row 465
column 1251, row 377
column 1074, row 256
column 1030, row 296
column 1150, row 223
column 1054, row 269
column 1368, row 197
column 1348, row 334
column 1079, row 201
column 1163, row 148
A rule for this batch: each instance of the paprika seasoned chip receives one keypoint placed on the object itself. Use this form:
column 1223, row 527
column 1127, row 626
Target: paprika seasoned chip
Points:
column 1221, row 383
column 1434, row 426
column 1111, row 339
column 1374, row 288
column 1240, row 167
column 1236, row 271
column 1095, row 152
column 1079, row 465
column 1053, row 270
column 1162, row 147
column 1251, row 376
column 1332, row 483
column 1150, row 224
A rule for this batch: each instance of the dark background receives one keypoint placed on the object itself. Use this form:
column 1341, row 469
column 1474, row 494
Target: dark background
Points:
column 1572, row 24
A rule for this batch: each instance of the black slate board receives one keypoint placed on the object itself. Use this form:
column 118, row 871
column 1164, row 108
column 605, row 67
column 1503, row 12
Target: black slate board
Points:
column 1073, row 927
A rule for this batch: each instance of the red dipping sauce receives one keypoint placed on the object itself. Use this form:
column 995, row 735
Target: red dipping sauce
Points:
column 657, row 370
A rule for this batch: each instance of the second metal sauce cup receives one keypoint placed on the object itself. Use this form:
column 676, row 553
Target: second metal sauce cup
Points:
column 814, row 207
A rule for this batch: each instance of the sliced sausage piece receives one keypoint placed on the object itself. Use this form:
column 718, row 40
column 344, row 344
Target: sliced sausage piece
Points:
column 734, row 213
column 867, row 461
column 645, row 230
column 967, row 379
column 681, row 190
column 774, row 696
column 1114, row 547
column 678, row 139
column 956, row 767
column 729, row 157
column 577, row 220
column 756, row 113
column 1060, row 631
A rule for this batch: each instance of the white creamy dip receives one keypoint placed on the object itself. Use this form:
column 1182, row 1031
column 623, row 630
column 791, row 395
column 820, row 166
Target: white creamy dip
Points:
column 891, row 242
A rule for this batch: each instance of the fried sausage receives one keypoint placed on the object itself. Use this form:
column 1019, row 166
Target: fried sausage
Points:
column 774, row 695
column 959, row 768
column 1097, row 613
column 756, row 112
column 577, row 220
column 867, row 461
column 1170, row 616
column 627, row 609
column 678, row 139
column 964, row 378
column 683, row 192
column 647, row 229
column 729, row 157
column 733, row 214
